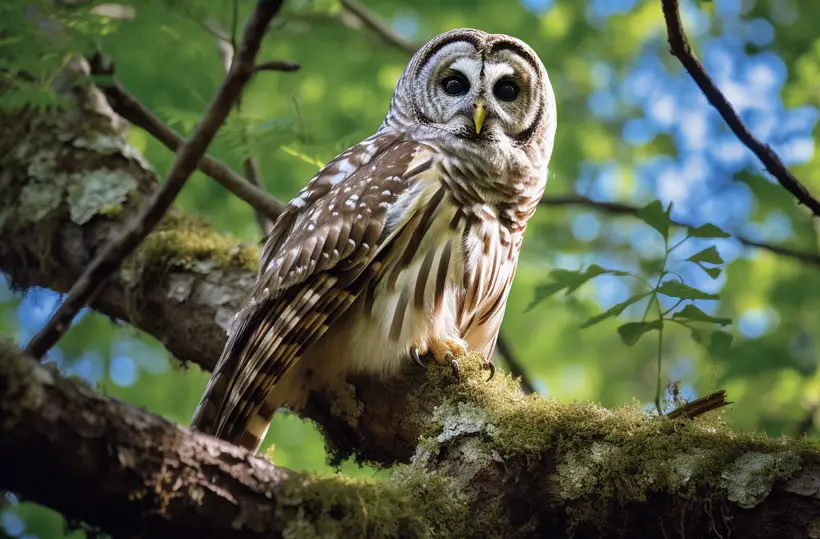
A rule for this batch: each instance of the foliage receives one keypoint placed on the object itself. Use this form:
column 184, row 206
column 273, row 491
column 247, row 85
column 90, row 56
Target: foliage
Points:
column 669, row 284
column 696, row 310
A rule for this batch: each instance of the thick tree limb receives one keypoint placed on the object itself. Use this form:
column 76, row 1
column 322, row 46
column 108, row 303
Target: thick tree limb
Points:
column 134, row 474
column 679, row 47
column 112, row 255
column 589, row 472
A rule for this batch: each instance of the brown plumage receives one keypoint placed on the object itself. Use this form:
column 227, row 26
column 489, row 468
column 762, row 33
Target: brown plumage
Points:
column 407, row 241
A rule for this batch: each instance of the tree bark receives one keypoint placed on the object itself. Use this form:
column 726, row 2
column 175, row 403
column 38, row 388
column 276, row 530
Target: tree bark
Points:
column 134, row 474
column 479, row 459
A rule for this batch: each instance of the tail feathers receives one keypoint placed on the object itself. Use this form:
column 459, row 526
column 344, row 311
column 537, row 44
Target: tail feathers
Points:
column 207, row 417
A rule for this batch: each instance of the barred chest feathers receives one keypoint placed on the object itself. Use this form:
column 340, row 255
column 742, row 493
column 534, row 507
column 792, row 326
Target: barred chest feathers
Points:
column 447, row 277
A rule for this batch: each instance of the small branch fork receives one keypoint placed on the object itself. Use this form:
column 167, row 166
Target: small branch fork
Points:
column 250, row 165
column 680, row 48
column 130, row 108
column 111, row 256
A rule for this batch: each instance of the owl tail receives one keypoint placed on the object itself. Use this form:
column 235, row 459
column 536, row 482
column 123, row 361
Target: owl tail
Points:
column 207, row 417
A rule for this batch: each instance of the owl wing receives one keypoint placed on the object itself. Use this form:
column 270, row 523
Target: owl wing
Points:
column 322, row 252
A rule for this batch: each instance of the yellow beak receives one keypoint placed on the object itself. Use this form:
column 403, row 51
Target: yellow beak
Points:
column 479, row 114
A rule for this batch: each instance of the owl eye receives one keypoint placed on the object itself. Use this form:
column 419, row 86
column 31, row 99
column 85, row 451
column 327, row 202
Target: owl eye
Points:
column 506, row 90
column 455, row 85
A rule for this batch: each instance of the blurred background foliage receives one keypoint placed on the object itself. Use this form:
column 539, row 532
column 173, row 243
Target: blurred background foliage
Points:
column 633, row 128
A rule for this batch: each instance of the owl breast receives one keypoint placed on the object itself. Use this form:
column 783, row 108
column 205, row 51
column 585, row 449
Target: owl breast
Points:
column 433, row 287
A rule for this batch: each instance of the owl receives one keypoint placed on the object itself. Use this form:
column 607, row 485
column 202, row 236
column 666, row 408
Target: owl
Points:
column 403, row 246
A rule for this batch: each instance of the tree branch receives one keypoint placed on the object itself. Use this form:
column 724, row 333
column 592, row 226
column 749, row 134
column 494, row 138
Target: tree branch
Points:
column 277, row 65
column 130, row 108
column 589, row 472
column 619, row 208
column 250, row 165
column 514, row 365
column 377, row 25
column 133, row 474
column 679, row 47
column 115, row 251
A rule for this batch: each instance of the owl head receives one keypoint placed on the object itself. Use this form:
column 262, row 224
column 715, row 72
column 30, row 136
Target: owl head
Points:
column 486, row 89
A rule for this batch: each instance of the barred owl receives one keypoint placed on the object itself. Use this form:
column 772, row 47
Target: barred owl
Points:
column 404, row 245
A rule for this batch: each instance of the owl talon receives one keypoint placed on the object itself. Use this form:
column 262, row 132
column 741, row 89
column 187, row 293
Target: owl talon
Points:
column 491, row 366
column 454, row 365
column 414, row 355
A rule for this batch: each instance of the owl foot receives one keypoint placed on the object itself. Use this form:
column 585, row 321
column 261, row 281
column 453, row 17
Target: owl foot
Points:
column 489, row 365
column 414, row 355
column 443, row 351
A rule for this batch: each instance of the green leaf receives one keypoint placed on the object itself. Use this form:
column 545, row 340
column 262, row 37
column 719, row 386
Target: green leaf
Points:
column 676, row 289
column 561, row 279
column 714, row 273
column 719, row 343
column 716, row 342
column 690, row 312
column 631, row 332
column 654, row 215
column 615, row 310
column 706, row 231
column 710, row 255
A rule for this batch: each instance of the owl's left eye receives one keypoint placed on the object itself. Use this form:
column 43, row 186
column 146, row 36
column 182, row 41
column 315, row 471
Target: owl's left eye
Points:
column 455, row 85
column 506, row 90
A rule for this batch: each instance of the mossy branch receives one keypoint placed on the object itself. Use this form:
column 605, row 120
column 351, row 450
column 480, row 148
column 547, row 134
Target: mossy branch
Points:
column 492, row 463
column 131, row 474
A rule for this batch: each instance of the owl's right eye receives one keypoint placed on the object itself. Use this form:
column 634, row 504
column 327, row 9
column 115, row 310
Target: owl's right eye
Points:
column 455, row 85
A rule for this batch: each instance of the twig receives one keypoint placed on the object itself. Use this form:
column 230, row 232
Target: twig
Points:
column 680, row 48
column 111, row 256
column 700, row 406
column 250, row 165
column 516, row 369
column 207, row 28
column 130, row 108
column 618, row 208
column 251, row 168
column 277, row 65
column 380, row 27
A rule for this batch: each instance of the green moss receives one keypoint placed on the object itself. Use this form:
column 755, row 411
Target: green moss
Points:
column 606, row 457
column 411, row 504
column 186, row 242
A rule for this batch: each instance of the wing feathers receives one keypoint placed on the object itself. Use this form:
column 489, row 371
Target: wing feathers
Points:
column 324, row 250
